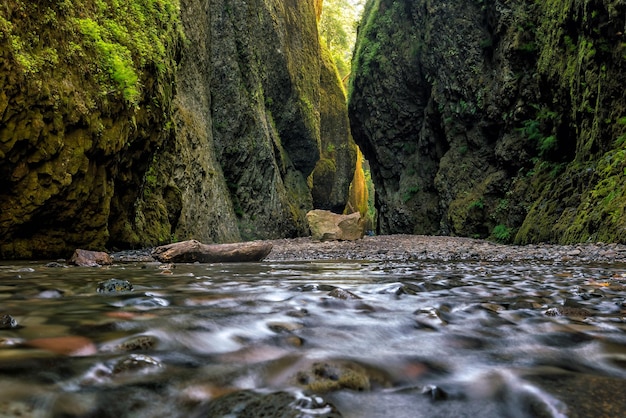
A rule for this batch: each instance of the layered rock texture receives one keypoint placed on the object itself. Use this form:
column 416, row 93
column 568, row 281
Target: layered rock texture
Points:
column 501, row 119
column 133, row 124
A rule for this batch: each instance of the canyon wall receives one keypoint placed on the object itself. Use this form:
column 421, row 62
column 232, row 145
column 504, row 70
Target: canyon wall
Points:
column 126, row 125
column 494, row 119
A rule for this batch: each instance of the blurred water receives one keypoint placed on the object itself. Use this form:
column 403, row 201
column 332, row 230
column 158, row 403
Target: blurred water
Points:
column 432, row 339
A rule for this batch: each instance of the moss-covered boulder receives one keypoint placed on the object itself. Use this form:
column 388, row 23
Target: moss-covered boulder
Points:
column 493, row 118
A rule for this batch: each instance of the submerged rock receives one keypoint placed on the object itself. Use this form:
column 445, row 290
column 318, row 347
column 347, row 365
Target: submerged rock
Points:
column 251, row 404
column 329, row 376
column 340, row 293
column 568, row 311
column 70, row 345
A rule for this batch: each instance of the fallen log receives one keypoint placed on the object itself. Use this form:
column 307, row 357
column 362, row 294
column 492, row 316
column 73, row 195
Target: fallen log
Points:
column 194, row 251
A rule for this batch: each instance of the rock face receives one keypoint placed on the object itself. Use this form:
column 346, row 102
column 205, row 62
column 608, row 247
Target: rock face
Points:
column 83, row 107
column 328, row 226
column 333, row 173
column 494, row 118
column 195, row 120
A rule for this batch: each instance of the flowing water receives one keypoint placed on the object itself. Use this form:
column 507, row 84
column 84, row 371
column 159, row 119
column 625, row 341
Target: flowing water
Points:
column 343, row 338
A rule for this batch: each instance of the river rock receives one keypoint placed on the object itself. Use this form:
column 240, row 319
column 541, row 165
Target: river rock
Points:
column 194, row 251
column 114, row 286
column 246, row 403
column 329, row 226
column 85, row 258
column 7, row 321
column 324, row 377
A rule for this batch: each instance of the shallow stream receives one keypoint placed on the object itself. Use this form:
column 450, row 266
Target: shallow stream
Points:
column 314, row 339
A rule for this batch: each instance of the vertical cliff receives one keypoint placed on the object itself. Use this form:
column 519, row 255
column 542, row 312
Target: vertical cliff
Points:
column 128, row 124
column 500, row 119
column 85, row 97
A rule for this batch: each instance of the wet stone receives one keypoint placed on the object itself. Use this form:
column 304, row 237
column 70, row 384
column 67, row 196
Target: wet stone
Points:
column 326, row 376
column 564, row 339
column 492, row 307
column 568, row 311
column 280, row 327
column 114, row 286
column 435, row 393
column 135, row 363
column 524, row 304
column 7, row 322
column 10, row 342
column 249, row 404
column 142, row 303
column 138, row 343
column 298, row 313
column 50, row 294
column 314, row 288
column 429, row 318
column 343, row 294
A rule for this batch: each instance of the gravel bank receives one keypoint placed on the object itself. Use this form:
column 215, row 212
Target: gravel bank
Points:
column 419, row 247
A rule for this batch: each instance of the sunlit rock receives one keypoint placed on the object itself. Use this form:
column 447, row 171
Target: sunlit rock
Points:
column 328, row 226
column 85, row 258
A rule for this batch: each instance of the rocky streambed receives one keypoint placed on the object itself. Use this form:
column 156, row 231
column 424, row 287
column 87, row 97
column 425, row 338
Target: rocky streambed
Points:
column 388, row 326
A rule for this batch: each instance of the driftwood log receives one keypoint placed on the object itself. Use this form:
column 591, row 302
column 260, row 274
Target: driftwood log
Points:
column 194, row 251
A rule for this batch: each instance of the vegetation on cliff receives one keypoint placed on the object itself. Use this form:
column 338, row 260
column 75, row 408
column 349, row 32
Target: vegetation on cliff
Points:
column 119, row 132
column 87, row 88
column 494, row 119
column 338, row 31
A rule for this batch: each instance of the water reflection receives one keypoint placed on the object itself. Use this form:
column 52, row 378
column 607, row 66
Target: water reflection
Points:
column 352, row 339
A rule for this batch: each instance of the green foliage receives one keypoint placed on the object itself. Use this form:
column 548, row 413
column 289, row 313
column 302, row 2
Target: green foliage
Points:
column 111, row 41
column 621, row 140
column 546, row 144
column 410, row 193
column 126, row 38
column 338, row 30
column 501, row 233
column 532, row 129
column 477, row 204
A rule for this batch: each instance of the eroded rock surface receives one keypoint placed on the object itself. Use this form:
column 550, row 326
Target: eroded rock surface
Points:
column 494, row 118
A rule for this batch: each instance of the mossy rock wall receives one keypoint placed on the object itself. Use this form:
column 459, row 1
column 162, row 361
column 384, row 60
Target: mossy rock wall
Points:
column 132, row 124
column 494, row 118
column 86, row 93
column 333, row 173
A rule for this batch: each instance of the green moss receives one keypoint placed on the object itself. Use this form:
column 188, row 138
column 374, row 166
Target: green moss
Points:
column 477, row 204
column 90, row 83
column 126, row 37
